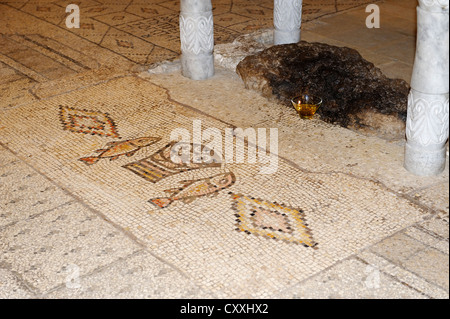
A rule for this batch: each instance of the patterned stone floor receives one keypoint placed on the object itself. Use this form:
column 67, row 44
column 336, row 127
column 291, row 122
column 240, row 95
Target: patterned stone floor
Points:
column 90, row 206
column 36, row 47
column 146, row 31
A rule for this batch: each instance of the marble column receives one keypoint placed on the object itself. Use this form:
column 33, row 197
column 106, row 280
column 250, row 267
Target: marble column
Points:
column 197, row 39
column 287, row 18
column 427, row 126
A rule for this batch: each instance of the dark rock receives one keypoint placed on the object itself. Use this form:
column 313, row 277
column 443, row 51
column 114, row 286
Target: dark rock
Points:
column 356, row 94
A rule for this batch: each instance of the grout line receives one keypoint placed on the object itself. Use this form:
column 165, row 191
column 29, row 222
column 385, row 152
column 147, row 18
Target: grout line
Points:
column 410, row 271
column 429, row 246
column 25, row 285
column 95, row 271
column 35, row 215
column 299, row 283
column 72, row 33
column 394, row 278
column 29, row 73
column 114, row 77
column 366, row 248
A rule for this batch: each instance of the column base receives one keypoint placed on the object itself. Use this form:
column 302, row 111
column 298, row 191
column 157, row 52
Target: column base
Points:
column 286, row 37
column 424, row 162
column 197, row 67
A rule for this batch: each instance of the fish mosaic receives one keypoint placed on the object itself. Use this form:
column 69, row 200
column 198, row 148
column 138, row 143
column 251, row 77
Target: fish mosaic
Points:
column 190, row 190
column 114, row 150
column 160, row 165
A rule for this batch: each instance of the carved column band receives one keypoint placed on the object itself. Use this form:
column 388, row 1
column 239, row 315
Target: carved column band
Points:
column 197, row 39
column 427, row 126
column 287, row 18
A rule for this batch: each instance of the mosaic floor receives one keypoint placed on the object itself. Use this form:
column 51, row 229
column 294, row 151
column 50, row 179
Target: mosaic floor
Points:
column 88, row 190
column 147, row 31
column 109, row 147
column 36, row 46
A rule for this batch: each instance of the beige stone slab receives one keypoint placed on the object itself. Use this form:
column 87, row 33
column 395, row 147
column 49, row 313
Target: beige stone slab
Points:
column 437, row 226
column 428, row 238
column 50, row 249
column 375, row 57
column 436, row 196
column 12, row 288
column 403, row 50
column 397, row 69
column 352, row 279
column 404, row 9
column 311, row 36
column 408, row 278
column 395, row 18
column 431, row 264
column 140, row 276
column 353, row 31
column 398, row 248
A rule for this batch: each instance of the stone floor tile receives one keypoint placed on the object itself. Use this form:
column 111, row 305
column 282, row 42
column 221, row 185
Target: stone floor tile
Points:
column 12, row 288
column 404, row 9
column 428, row 238
column 393, row 18
column 353, row 31
column 432, row 265
column 398, row 248
column 352, row 279
column 138, row 276
column 311, row 36
column 43, row 248
column 436, row 196
column 25, row 193
column 397, row 70
column 405, row 50
column 214, row 102
column 438, row 226
column 408, row 278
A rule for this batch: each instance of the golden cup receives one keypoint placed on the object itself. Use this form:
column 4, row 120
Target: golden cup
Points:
column 306, row 105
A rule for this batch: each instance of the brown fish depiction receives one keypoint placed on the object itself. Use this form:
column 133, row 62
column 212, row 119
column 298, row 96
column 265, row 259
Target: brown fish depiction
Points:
column 116, row 149
column 193, row 189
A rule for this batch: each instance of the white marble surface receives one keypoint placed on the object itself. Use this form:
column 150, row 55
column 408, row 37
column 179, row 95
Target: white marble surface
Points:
column 197, row 39
column 287, row 18
column 427, row 127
